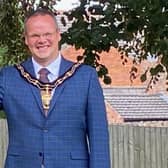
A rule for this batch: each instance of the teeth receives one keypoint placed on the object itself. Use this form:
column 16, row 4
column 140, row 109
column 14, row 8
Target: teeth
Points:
column 42, row 47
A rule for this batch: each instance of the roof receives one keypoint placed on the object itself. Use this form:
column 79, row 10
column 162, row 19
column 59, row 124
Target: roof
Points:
column 134, row 104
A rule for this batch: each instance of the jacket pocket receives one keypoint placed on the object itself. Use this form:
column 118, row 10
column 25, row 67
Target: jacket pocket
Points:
column 12, row 151
column 78, row 155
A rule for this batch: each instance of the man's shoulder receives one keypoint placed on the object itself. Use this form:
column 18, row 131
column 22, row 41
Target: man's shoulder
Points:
column 7, row 68
column 87, row 68
column 81, row 69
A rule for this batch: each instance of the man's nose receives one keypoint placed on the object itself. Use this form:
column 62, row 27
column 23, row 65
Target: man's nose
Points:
column 42, row 38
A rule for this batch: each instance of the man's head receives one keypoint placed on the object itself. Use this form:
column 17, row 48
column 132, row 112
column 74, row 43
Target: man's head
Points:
column 42, row 36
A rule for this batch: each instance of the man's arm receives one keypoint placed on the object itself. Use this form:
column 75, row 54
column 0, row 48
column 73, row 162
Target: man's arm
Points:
column 2, row 84
column 97, row 126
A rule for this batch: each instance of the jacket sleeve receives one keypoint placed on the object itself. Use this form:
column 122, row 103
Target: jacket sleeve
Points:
column 98, row 136
column 2, row 84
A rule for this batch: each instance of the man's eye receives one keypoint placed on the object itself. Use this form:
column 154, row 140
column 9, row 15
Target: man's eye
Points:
column 35, row 36
column 48, row 35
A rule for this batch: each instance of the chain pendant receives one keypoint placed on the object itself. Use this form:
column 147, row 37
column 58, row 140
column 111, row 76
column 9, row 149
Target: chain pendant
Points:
column 46, row 98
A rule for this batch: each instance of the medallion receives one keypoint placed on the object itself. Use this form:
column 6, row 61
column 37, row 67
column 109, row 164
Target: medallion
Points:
column 46, row 98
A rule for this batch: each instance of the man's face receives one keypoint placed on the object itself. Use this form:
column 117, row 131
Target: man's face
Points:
column 42, row 38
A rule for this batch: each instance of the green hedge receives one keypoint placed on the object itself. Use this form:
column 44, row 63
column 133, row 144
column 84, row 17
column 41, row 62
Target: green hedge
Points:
column 2, row 114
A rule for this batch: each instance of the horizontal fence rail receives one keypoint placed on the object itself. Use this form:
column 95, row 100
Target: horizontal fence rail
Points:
column 130, row 146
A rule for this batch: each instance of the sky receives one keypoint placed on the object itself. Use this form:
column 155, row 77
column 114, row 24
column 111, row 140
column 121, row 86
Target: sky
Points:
column 66, row 4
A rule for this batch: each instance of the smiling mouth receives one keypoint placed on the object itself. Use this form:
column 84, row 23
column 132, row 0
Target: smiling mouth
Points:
column 42, row 48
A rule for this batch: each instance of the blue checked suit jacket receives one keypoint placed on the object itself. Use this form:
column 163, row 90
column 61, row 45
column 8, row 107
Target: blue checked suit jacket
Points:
column 75, row 132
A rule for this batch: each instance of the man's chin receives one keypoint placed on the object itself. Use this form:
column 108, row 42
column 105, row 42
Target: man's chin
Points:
column 43, row 55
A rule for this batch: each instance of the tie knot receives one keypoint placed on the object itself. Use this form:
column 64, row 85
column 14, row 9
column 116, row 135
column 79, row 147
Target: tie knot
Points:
column 43, row 72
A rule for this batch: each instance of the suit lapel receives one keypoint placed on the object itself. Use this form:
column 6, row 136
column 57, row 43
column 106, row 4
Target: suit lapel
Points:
column 65, row 65
column 28, row 65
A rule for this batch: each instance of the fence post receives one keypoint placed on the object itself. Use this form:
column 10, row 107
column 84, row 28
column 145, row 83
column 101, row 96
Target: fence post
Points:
column 3, row 141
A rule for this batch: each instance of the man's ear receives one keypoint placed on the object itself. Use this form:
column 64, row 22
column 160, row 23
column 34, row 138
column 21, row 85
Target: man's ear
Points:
column 59, row 36
column 25, row 39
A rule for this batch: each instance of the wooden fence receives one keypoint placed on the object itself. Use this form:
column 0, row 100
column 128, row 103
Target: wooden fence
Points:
column 130, row 146
column 138, row 146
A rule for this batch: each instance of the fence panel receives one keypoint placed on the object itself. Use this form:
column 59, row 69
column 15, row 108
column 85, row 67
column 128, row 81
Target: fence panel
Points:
column 138, row 146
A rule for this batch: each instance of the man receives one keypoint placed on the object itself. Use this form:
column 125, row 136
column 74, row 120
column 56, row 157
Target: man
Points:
column 56, row 116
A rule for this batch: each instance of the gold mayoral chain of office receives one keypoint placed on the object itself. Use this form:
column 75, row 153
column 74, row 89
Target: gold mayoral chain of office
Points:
column 46, row 88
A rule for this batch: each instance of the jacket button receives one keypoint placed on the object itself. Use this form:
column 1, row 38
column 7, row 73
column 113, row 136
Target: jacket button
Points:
column 45, row 130
column 40, row 154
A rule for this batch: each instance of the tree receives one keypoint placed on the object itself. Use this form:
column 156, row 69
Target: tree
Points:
column 10, row 31
column 136, row 27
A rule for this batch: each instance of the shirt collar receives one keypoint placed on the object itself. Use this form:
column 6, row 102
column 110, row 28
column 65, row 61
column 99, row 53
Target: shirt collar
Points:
column 53, row 67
